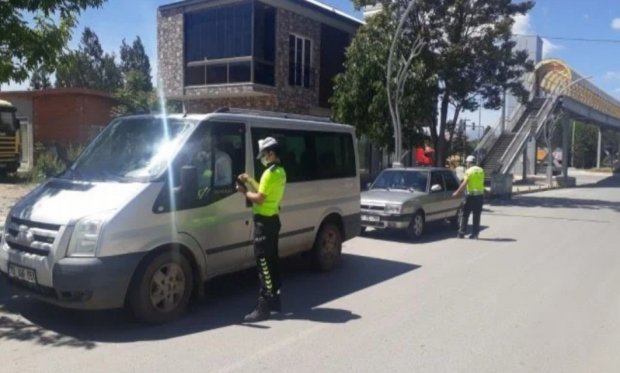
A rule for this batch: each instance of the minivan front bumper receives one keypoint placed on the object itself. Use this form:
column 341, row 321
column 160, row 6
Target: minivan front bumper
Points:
column 85, row 283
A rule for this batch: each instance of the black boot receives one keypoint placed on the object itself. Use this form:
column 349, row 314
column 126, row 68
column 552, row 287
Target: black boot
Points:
column 275, row 303
column 260, row 313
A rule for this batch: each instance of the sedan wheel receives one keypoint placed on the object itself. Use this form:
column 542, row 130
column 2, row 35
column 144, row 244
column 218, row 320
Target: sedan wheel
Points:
column 416, row 227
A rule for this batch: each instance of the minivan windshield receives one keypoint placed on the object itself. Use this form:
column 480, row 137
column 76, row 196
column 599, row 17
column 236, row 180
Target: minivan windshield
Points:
column 131, row 149
column 402, row 179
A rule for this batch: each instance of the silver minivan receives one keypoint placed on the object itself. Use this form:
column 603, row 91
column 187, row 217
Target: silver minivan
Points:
column 148, row 212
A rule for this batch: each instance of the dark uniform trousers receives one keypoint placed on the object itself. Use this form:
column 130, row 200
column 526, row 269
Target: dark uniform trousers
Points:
column 473, row 204
column 266, row 232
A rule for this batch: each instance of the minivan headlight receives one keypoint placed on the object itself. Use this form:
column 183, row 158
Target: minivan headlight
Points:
column 393, row 209
column 85, row 237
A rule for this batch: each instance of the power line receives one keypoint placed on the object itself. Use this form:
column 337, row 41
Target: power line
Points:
column 587, row 40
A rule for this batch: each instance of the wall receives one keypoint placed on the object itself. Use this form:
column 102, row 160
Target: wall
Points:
column 69, row 118
column 170, row 55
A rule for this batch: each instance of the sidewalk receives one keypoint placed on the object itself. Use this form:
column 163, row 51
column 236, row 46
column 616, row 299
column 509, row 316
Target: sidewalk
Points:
column 538, row 183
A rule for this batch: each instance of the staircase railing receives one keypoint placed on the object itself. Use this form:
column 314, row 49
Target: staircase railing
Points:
column 490, row 138
column 532, row 126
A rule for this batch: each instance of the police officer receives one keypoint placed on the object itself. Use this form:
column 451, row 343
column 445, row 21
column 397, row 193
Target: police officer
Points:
column 266, row 206
column 474, row 182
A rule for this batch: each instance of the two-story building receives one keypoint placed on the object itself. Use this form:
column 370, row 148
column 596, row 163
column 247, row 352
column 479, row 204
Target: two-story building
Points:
column 279, row 55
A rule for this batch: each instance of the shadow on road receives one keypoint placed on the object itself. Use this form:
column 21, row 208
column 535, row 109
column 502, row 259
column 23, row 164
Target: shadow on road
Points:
column 433, row 232
column 498, row 240
column 227, row 299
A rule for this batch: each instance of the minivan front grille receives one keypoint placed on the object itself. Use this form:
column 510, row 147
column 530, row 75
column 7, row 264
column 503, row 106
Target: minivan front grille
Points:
column 27, row 249
column 31, row 237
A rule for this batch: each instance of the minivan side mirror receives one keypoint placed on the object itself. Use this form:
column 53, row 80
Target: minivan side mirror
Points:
column 368, row 185
column 436, row 188
column 189, row 183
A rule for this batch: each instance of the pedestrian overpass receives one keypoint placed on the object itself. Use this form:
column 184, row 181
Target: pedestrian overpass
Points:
column 558, row 95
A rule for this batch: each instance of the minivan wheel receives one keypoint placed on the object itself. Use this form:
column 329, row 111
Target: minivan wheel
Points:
column 327, row 247
column 162, row 288
column 416, row 226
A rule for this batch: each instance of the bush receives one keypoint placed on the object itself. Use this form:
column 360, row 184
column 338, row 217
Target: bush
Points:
column 52, row 160
column 46, row 165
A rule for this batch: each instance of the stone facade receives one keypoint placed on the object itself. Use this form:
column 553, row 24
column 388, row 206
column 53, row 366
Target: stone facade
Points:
column 170, row 54
column 282, row 97
column 247, row 102
column 295, row 99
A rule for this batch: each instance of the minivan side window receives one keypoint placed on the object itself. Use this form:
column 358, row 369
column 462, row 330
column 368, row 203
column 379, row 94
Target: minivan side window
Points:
column 310, row 155
column 217, row 150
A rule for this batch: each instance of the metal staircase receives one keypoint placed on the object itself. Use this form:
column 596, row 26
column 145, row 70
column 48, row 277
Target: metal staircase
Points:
column 491, row 162
column 531, row 127
column 498, row 151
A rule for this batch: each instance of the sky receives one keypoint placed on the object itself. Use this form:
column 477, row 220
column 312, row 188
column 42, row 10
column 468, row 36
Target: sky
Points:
column 551, row 19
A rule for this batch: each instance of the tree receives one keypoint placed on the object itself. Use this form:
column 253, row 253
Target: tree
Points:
column 134, row 59
column 136, row 95
column 360, row 96
column 40, row 79
column 26, row 45
column 469, row 54
column 89, row 66
column 585, row 146
column 132, row 98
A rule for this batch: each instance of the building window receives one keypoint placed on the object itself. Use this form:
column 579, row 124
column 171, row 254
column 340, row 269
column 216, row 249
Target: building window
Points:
column 230, row 44
column 300, row 65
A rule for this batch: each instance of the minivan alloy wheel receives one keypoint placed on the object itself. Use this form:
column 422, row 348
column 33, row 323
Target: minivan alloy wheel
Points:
column 167, row 287
column 327, row 247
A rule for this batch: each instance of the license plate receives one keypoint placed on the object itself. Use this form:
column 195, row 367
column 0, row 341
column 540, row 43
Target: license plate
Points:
column 371, row 218
column 23, row 274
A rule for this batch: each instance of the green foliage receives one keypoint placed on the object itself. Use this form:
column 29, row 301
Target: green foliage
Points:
column 46, row 164
column 132, row 98
column 469, row 55
column 135, row 61
column 136, row 96
column 40, row 79
column 25, row 45
column 360, row 97
column 89, row 66
column 585, row 147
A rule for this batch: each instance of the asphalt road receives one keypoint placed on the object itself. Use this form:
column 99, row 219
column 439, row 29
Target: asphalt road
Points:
column 538, row 293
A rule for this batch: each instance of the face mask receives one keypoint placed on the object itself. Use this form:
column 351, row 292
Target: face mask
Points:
column 264, row 161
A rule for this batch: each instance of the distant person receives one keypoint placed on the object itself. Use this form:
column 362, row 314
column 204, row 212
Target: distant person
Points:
column 474, row 183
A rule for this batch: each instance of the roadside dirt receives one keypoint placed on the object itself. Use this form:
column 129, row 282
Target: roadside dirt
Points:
column 9, row 194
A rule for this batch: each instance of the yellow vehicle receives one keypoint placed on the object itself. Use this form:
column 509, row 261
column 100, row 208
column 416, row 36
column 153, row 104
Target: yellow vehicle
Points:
column 10, row 144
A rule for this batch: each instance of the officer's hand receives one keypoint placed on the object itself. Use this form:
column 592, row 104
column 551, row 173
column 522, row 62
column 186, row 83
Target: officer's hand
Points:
column 243, row 177
column 455, row 194
column 241, row 189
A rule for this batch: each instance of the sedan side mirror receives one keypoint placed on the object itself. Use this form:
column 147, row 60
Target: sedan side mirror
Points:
column 436, row 188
